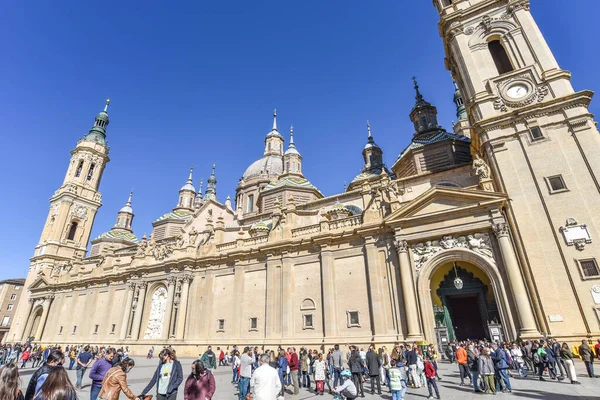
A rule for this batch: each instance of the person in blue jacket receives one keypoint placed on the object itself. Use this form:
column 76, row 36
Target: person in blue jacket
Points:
column 167, row 378
column 282, row 367
column 501, row 363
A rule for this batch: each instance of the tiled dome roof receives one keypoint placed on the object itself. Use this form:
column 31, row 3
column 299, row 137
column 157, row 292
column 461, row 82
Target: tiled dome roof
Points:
column 268, row 165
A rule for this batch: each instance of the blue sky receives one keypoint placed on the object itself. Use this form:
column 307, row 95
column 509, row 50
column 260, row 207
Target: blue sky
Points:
column 195, row 82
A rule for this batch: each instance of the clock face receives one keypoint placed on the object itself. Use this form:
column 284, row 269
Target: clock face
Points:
column 517, row 91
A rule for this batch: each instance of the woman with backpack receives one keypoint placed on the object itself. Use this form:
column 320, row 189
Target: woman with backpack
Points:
column 57, row 386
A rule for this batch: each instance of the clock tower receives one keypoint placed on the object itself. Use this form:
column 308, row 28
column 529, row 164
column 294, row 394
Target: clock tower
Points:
column 541, row 142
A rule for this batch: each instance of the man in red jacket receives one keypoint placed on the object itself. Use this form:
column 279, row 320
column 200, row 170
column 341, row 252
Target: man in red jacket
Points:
column 430, row 375
column 293, row 364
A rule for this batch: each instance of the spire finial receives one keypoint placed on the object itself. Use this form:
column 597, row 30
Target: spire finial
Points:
column 369, row 128
column 291, row 135
column 419, row 96
column 275, row 119
column 201, row 184
column 129, row 199
column 191, row 173
column 213, row 168
column 106, row 105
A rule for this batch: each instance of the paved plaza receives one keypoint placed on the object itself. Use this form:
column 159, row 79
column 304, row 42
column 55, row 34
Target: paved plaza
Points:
column 449, row 388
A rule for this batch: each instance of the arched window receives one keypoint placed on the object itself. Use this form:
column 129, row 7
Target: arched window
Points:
column 424, row 122
column 79, row 168
column 500, row 57
column 91, row 172
column 72, row 231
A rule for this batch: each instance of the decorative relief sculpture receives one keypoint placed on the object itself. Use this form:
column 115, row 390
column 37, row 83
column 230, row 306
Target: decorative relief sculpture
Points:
column 575, row 234
column 477, row 242
column 80, row 212
column 157, row 314
column 192, row 236
column 482, row 170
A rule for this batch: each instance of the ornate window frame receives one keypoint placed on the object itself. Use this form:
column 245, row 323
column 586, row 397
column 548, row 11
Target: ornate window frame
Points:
column 220, row 325
column 552, row 191
column 349, row 318
column 255, row 328
column 305, row 324
column 580, row 267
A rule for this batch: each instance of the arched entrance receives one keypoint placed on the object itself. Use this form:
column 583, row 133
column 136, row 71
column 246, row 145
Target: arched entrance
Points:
column 482, row 299
column 463, row 301
column 35, row 318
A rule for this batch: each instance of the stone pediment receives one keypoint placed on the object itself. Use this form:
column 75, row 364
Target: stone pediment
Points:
column 441, row 200
column 39, row 283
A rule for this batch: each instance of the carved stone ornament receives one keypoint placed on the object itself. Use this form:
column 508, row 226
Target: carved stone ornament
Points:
column 161, row 251
column 500, row 229
column 401, row 246
column 481, row 169
column 157, row 314
column 515, row 5
column 575, row 234
column 532, row 92
column 477, row 242
column 80, row 212
column 595, row 291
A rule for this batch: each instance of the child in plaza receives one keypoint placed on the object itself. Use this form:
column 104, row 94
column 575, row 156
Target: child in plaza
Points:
column 398, row 378
column 430, row 375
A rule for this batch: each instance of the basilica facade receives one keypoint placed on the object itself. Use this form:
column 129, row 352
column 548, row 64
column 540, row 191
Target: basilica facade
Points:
column 485, row 230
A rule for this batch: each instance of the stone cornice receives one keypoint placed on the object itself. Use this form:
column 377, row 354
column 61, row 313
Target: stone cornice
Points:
column 578, row 99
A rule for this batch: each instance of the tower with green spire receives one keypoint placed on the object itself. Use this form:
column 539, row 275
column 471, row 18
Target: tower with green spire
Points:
column 211, row 187
column 461, row 126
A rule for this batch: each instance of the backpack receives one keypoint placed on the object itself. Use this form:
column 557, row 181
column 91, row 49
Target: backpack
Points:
column 536, row 358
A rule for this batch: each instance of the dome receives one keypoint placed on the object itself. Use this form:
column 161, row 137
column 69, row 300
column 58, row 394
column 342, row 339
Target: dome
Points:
column 126, row 209
column 118, row 235
column 189, row 187
column 102, row 115
column 268, row 165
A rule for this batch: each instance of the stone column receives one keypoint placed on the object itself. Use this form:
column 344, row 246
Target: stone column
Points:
column 330, row 326
column 183, row 303
column 287, row 323
column 139, row 310
column 513, row 271
column 408, row 291
column 172, row 281
column 46, row 308
column 128, row 310
column 273, row 302
column 27, row 320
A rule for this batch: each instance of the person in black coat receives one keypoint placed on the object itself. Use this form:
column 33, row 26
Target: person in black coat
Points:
column 373, row 364
column 356, row 366
column 55, row 359
column 167, row 378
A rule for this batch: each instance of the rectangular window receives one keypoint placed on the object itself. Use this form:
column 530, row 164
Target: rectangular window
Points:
column 556, row 184
column 307, row 321
column 112, row 328
column 220, row 325
column 536, row 133
column 589, row 268
column 5, row 321
column 96, row 329
column 74, row 329
column 13, row 296
column 10, row 307
column 353, row 319
column 60, row 329
column 250, row 203
column 253, row 324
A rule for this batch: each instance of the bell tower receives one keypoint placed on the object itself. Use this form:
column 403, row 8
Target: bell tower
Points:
column 541, row 142
column 74, row 205
column 67, row 229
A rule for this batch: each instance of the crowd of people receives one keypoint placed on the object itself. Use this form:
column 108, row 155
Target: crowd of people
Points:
column 267, row 375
